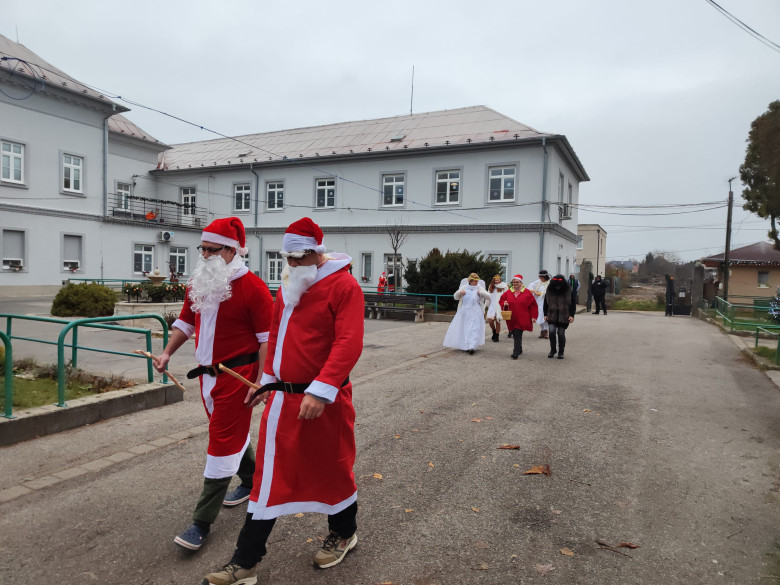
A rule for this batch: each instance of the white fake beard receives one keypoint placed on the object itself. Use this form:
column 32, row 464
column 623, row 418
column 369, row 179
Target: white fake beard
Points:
column 209, row 283
column 296, row 281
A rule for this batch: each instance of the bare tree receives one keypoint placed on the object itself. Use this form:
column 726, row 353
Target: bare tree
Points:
column 397, row 233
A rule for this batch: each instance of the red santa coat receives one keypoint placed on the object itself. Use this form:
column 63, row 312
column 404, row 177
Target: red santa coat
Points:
column 524, row 309
column 237, row 327
column 307, row 464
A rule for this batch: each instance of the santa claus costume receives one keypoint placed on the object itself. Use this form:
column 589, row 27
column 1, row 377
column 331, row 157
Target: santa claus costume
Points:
column 227, row 331
column 305, row 465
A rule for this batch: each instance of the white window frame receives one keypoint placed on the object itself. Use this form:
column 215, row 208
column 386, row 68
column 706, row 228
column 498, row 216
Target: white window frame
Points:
column 507, row 173
column 393, row 181
column 503, row 259
column 326, row 187
column 245, row 259
column 13, row 263
column 181, row 255
column 123, row 191
column 146, row 254
column 189, row 197
column 76, row 259
column 7, row 154
column 765, row 279
column 448, row 177
column 274, row 266
column 580, row 242
column 242, row 197
column 274, row 195
column 73, row 173
column 366, row 266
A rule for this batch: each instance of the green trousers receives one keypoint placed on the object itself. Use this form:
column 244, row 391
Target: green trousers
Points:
column 214, row 490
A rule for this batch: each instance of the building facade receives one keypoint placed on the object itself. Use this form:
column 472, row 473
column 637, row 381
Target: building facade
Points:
column 592, row 246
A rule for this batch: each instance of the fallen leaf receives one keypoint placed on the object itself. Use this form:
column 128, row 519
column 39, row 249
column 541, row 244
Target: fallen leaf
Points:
column 628, row 545
column 475, row 509
column 556, row 511
column 544, row 569
column 377, row 476
column 422, row 411
column 481, row 544
column 397, row 436
column 488, row 418
column 476, row 420
column 539, row 469
column 516, row 465
column 483, row 566
column 473, row 404
column 431, row 465
column 509, row 447
column 567, row 551
column 299, row 515
column 409, row 510
column 587, row 410
column 310, row 539
column 415, row 430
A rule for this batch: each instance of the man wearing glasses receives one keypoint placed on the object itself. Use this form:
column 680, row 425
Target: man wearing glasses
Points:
column 229, row 309
column 307, row 433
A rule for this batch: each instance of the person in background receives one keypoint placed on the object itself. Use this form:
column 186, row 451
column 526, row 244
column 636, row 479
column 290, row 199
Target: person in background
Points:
column 467, row 330
column 599, row 290
column 496, row 288
column 524, row 309
column 538, row 288
column 669, row 295
column 559, row 310
column 382, row 285
column 575, row 288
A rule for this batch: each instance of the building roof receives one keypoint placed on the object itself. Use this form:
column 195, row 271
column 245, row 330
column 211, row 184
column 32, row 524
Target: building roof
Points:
column 462, row 127
column 760, row 253
column 121, row 125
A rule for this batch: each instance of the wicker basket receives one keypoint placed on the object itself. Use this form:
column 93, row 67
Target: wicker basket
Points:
column 506, row 315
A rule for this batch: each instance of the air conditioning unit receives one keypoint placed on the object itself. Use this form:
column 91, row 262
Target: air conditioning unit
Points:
column 164, row 236
column 565, row 211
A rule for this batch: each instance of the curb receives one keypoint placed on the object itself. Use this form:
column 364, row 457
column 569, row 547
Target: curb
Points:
column 47, row 420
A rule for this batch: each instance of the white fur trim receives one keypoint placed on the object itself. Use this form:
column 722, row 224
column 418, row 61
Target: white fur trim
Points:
column 218, row 239
column 267, row 379
column 267, row 513
column 185, row 327
column 322, row 390
column 297, row 243
column 226, row 466
column 262, row 337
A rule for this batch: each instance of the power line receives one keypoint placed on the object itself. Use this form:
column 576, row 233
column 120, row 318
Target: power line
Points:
column 756, row 35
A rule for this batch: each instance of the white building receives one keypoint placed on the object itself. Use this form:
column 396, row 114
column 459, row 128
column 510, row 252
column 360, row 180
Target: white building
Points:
column 468, row 178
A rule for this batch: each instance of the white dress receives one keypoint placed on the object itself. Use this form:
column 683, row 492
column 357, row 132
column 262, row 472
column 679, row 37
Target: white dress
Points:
column 467, row 330
column 494, row 311
column 539, row 286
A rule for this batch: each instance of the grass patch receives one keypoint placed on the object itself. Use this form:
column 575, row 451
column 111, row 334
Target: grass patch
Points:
column 765, row 352
column 36, row 385
column 621, row 304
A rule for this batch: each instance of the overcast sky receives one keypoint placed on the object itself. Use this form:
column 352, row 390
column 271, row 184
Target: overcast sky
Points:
column 656, row 97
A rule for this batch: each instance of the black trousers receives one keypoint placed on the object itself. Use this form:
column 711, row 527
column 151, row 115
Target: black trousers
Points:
column 557, row 334
column 600, row 302
column 250, row 547
column 517, row 336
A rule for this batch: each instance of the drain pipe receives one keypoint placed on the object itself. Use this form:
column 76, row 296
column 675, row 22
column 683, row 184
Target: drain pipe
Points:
column 257, row 207
column 544, row 205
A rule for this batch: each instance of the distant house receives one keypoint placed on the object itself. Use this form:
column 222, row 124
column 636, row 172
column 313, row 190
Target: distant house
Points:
column 755, row 270
column 592, row 246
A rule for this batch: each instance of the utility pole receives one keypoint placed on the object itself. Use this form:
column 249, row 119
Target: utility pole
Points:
column 726, row 268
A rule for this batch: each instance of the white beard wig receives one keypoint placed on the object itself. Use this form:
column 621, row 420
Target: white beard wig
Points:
column 210, row 283
column 296, row 281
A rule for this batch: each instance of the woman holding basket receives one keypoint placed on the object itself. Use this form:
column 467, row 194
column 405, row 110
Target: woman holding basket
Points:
column 524, row 310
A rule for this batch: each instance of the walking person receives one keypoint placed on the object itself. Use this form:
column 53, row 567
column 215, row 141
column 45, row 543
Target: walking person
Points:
column 229, row 310
column 669, row 294
column 524, row 309
column 560, row 305
column 538, row 287
column 599, row 290
column 467, row 330
column 496, row 288
column 307, row 433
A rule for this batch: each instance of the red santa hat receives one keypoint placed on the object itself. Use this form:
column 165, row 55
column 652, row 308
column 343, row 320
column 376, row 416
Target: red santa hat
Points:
column 518, row 276
column 302, row 235
column 228, row 231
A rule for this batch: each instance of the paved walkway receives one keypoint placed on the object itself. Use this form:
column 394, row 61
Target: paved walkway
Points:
column 657, row 432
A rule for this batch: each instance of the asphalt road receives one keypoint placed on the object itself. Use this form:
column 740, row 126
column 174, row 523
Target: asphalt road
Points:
column 656, row 432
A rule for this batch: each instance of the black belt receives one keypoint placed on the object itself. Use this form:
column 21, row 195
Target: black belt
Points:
column 289, row 387
column 213, row 370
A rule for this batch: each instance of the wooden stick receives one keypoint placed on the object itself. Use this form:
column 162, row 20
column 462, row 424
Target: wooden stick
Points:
column 238, row 376
column 155, row 358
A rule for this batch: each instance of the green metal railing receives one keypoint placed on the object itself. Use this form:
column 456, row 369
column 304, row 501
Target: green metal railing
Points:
column 95, row 322
column 766, row 331
column 9, row 378
column 742, row 316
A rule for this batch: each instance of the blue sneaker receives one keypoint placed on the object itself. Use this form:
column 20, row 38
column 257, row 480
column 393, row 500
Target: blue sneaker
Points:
column 237, row 496
column 192, row 538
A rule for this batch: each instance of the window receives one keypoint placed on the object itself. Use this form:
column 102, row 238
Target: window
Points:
column 13, row 250
column 763, row 279
column 275, row 267
column 365, row 268
column 71, row 173
column 242, row 197
column 123, row 196
column 502, row 184
column 389, row 268
column 560, row 187
column 447, row 187
column 392, row 190
column 143, row 258
column 71, row 252
column 12, row 162
column 188, row 200
column 178, row 260
column 503, row 259
column 580, row 245
column 326, row 194
column 275, row 195
column 245, row 259
column 569, row 200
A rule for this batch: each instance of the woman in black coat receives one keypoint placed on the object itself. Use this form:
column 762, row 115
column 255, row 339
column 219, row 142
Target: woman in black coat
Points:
column 559, row 308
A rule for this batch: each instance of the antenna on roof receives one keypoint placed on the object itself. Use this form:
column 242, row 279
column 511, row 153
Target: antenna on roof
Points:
column 17, row 35
column 411, row 104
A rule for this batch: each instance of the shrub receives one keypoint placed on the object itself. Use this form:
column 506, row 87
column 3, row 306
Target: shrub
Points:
column 84, row 300
column 170, row 317
column 132, row 289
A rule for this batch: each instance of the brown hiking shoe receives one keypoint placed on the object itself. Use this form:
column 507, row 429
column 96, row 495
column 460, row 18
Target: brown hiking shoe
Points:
column 333, row 550
column 232, row 574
